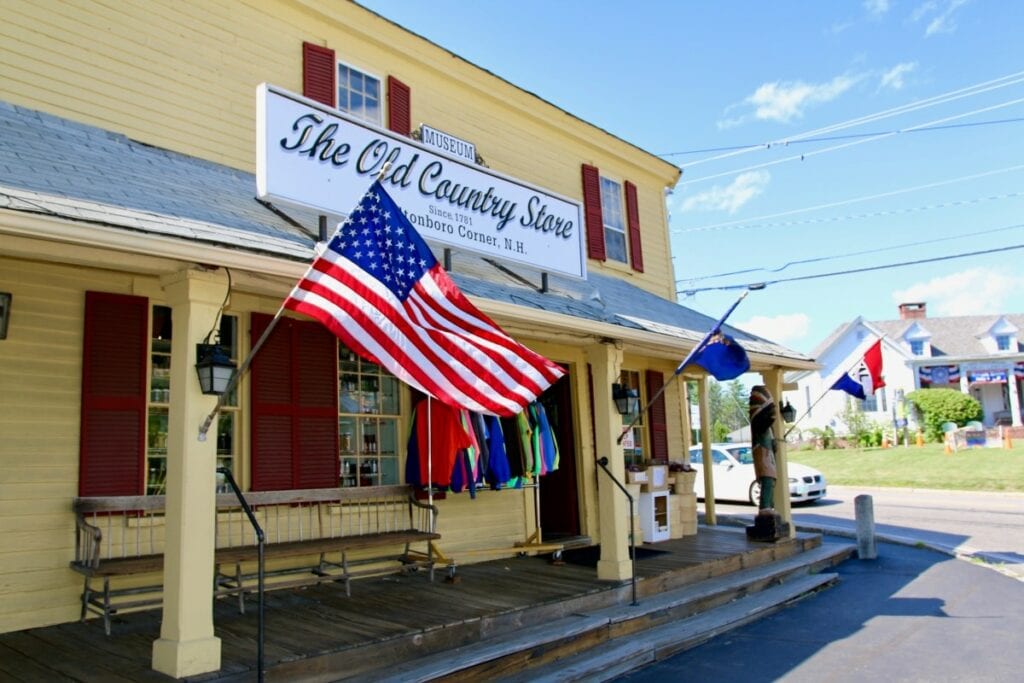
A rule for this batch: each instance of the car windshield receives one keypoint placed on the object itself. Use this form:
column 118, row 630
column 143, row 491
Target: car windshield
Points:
column 743, row 454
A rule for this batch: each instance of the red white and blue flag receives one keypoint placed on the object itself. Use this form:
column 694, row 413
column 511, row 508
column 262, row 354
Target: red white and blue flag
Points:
column 378, row 288
column 866, row 377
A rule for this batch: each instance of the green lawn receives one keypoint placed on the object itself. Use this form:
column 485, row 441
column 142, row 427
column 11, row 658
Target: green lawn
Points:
column 979, row 469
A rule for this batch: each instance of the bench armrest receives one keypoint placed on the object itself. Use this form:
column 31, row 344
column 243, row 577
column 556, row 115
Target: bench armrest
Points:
column 87, row 543
column 413, row 503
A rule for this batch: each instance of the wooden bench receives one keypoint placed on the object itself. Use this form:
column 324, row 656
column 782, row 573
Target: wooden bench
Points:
column 325, row 533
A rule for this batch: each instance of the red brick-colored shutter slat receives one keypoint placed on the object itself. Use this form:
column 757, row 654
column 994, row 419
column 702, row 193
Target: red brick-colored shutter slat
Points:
column 656, row 417
column 316, row 411
column 636, row 254
column 319, row 74
column 271, row 397
column 399, row 106
column 113, row 421
column 592, row 212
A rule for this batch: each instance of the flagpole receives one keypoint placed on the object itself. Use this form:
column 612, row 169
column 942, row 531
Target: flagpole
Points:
column 237, row 376
column 825, row 393
column 686, row 361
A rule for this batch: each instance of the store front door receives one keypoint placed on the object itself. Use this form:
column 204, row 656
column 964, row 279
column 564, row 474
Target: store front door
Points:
column 559, row 502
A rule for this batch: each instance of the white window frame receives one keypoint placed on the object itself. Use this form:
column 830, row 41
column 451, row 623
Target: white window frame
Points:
column 613, row 206
column 1008, row 338
column 916, row 350
column 361, row 115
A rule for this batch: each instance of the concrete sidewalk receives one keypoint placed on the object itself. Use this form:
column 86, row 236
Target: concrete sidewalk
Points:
column 913, row 614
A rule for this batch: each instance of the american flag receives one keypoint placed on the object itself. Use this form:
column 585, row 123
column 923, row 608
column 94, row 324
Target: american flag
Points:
column 378, row 288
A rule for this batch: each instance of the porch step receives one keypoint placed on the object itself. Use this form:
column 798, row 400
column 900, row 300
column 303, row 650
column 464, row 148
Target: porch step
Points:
column 681, row 617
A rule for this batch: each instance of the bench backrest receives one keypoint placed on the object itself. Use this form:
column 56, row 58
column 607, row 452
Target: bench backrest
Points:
column 132, row 526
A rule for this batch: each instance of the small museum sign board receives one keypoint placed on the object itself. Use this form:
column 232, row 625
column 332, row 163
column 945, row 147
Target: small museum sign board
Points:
column 315, row 156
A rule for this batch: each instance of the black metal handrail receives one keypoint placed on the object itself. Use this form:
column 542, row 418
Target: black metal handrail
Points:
column 603, row 462
column 260, row 541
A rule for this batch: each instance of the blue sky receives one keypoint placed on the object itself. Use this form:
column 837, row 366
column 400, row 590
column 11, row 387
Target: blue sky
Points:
column 922, row 102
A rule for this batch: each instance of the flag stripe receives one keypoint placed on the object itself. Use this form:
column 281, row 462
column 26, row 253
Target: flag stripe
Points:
column 446, row 347
column 371, row 324
column 363, row 340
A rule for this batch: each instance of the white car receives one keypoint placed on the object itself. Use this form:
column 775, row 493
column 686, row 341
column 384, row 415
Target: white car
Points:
column 734, row 475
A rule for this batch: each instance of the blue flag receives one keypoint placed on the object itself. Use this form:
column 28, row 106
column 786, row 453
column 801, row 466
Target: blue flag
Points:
column 723, row 358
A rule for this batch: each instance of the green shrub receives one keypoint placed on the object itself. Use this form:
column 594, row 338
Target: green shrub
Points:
column 936, row 406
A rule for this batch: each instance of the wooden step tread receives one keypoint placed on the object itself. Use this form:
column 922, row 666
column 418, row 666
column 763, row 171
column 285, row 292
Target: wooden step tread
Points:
column 622, row 655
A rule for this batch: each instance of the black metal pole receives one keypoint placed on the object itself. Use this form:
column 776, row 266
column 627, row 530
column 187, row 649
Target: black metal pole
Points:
column 260, row 542
column 603, row 462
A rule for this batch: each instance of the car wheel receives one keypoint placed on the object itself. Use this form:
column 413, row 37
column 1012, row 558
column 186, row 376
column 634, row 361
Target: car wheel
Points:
column 755, row 493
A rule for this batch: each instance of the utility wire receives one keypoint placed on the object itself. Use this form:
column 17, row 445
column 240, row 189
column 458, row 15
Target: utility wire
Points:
column 879, row 214
column 835, row 148
column 867, row 269
column 852, row 253
column 849, row 136
column 829, row 205
column 968, row 91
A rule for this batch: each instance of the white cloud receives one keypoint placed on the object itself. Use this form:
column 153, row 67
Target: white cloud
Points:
column 782, row 329
column 784, row 101
column 974, row 291
column 876, row 7
column 940, row 15
column 731, row 197
column 893, row 78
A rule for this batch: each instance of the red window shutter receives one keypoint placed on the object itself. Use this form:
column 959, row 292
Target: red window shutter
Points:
column 316, row 415
column 636, row 254
column 319, row 74
column 656, row 418
column 399, row 107
column 113, row 425
column 294, row 406
column 592, row 212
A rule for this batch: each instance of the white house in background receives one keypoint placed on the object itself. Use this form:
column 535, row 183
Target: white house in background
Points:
column 981, row 355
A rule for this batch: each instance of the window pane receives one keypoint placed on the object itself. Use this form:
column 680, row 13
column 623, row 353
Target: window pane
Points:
column 355, row 105
column 372, row 88
column 615, row 245
column 356, row 81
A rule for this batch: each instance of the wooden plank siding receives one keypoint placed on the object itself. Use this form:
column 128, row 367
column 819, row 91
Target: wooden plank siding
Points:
column 147, row 68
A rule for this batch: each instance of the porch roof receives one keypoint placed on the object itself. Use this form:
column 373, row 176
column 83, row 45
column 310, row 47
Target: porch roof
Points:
column 62, row 169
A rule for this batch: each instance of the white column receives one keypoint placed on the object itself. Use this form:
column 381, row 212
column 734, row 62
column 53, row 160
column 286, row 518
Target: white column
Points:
column 703, row 404
column 615, row 564
column 187, row 645
column 1011, row 384
column 773, row 380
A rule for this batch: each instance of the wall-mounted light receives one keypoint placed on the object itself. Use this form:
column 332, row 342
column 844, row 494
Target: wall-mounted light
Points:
column 214, row 368
column 5, row 313
column 213, row 364
column 627, row 399
column 788, row 412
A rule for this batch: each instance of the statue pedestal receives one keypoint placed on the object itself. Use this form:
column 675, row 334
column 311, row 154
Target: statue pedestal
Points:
column 768, row 528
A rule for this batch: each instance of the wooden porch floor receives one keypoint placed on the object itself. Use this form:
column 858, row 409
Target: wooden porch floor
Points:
column 312, row 631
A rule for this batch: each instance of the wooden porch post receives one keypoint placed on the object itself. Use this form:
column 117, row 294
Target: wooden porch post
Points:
column 615, row 564
column 703, row 403
column 187, row 645
column 773, row 380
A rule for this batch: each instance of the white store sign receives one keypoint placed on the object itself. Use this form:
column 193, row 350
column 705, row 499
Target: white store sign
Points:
column 315, row 156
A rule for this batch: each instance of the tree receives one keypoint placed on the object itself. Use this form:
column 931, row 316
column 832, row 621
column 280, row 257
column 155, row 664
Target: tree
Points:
column 937, row 406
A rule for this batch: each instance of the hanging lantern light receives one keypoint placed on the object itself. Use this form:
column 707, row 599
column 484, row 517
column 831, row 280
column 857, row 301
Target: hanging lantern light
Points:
column 214, row 368
column 627, row 399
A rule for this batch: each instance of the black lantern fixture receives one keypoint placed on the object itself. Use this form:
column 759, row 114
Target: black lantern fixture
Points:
column 788, row 412
column 214, row 368
column 627, row 399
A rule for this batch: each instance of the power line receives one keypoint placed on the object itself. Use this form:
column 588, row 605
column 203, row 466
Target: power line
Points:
column 968, row 91
column 852, row 271
column 853, row 253
column 830, row 138
column 854, row 200
column 835, row 148
column 879, row 214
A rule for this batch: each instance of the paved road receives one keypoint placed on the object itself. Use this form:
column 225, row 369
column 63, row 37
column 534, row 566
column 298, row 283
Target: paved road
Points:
column 984, row 526
column 911, row 615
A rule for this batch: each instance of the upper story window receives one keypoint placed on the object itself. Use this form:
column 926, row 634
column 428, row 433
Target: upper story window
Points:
column 917, row 347
column 614, row 220
column 1002, row 342
column 359, row 94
